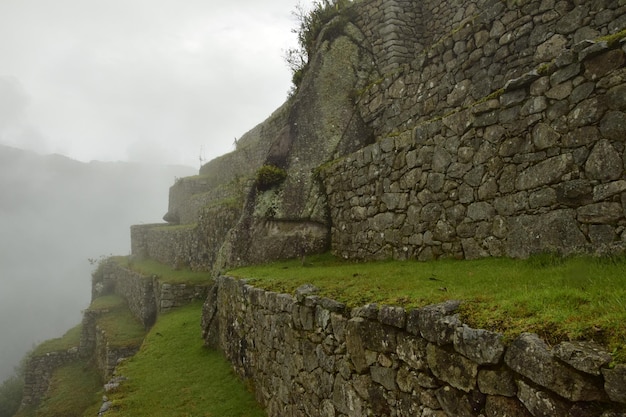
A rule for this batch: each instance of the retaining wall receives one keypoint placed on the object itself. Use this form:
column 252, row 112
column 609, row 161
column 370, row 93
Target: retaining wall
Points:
column 311, row 356
column 537, row 167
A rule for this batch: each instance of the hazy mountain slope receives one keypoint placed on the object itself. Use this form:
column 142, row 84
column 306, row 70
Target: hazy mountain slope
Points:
column 55, row 213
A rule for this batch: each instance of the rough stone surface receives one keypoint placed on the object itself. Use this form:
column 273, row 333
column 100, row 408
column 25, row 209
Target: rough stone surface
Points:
column 381, row 367
column 530, row 356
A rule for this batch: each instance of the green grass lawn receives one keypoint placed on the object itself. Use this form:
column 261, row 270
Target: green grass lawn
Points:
column 149, row 267
column 74, row 388
column 560, row 299
column 122, row 328
column 175, row 375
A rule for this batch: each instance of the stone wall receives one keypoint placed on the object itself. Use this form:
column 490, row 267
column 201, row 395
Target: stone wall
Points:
column 189, row 245
column 311, row 356
column 538, row 166
column 39, row 370
column 146, row 296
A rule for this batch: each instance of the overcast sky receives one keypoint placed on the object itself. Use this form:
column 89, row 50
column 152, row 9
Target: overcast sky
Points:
column 166, row 81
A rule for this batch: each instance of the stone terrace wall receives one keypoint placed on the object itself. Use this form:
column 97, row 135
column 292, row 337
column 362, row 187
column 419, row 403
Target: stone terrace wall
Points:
column 38, row 372
column 310, row 356
column 460, row 51
column 194, row 245
column 539, row 166
column 146, row 296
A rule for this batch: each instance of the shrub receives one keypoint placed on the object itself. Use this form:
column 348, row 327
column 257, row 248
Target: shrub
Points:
column 269, row 176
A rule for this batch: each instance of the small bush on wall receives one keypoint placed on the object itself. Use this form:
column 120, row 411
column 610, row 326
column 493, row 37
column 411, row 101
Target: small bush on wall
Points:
column 269, row 176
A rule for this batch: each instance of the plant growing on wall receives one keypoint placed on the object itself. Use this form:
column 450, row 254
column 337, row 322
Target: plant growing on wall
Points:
column 269, row 176
column 310, row 25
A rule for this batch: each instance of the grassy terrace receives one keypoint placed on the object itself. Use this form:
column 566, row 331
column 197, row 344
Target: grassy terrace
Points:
column 69, row 340
column 559, row 299
column 149, row 267
column 121, row 327
column 174, row 374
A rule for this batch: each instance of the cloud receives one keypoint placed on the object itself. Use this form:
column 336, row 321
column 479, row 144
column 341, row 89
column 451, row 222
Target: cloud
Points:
column 102, row 76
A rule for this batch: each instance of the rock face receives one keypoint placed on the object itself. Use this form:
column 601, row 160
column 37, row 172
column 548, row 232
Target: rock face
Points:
column 310, row 356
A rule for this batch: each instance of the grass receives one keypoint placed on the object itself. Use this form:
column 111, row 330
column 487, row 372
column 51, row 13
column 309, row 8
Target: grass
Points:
column 174, row 372
column 580, row 298
column 149, row 267
column 73, row 389
column 69, row 340
column 121, row 327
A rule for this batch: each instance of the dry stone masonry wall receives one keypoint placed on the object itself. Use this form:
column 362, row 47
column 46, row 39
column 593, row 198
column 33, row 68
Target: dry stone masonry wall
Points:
column 537, row 166
column 311, row 356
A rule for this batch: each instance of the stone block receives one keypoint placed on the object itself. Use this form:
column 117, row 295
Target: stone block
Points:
column 452, row 368
column 529, row 356
column 497, row 382
column 587, row 357
column 615, row 383
column 437, row 323
column 481, row 346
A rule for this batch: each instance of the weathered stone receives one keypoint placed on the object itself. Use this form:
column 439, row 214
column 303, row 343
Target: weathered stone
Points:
column 480, row 211
column 529, row 356
column 384, row 376
column 392, row 316
column 546, row 172
column 454, row 402
column 602, row 64
column 541, row 403
column 615, row 383
column 550, row 49
column 481, row 346
column 437, row 323
column 497, row 382
column 587, row 357
column 529, row 234
column 608, row 190
column 581, row 136
column 574, row 193
column 564, row 74
column 452, row 368
column 496, row 406
column 616, row 98
column 412, row 350
column 588, row 112
column 613, row 126
column 600, row 213
column 572, row 20
column 544, row 136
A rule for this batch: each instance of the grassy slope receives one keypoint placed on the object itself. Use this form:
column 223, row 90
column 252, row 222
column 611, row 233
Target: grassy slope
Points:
column 174, row 375
column 560, row 299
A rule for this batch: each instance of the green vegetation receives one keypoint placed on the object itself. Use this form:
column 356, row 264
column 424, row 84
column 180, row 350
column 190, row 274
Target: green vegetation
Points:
column 121, row 327
column 69, row 340
column 164, row 273
column 269, row 176
column 11, row 395
column 310, row 27
column 73, row 389
column 174, row 372
column 559, row 299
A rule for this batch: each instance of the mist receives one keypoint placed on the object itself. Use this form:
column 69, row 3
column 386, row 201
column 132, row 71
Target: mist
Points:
column 55, row 215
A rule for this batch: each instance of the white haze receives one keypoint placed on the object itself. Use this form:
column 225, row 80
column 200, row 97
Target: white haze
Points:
column 159, row 81
column 55, row 214
column 163, row 81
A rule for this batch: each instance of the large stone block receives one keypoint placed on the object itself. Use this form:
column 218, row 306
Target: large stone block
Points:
column 530, row 356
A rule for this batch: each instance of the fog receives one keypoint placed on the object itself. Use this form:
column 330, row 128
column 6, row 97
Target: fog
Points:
column 55, row 214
